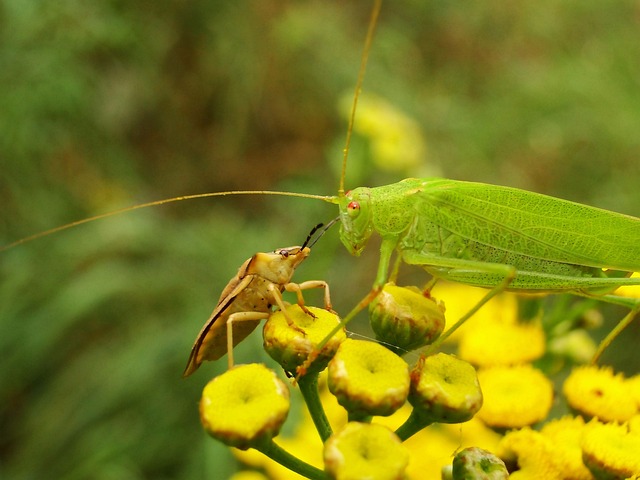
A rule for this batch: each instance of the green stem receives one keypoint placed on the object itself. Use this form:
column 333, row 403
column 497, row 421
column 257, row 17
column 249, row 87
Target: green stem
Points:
column 309, row 389
column 412, row 425
column 284, row 458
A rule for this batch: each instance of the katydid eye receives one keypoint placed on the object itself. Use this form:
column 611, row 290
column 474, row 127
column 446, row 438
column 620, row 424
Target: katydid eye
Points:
column 353, row 209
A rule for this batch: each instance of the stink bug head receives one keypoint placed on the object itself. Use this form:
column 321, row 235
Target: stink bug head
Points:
column 278, row 266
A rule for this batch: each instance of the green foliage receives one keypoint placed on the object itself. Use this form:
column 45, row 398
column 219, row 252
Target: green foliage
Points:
column 108, row 104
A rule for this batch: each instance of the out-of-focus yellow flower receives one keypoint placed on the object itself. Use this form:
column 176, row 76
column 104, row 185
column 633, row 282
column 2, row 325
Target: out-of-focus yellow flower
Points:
column 634, row 424
column 610, row 450
column 598, row 392
column 397, row 144
column 634, row 386
column 248, row 475
column 489, row 342
column 632, row 291
column 566, row 436
column 533, row 453
column 434, row 447
column 514, row 396
column 459, row 299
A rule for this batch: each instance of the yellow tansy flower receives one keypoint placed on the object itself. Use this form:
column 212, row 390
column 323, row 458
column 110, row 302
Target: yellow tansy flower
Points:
column 248, row 475
column 597, row 392
column 434, row 447
column 364, row 450
column 634, row 387
column 397, row 144
column 458, row 299
column 489, row 342
column 368, row 379
column 533, row 453
column 244, row 405
column 634, row 424
column 514, row 396
column 566, row 435
column 610, row 450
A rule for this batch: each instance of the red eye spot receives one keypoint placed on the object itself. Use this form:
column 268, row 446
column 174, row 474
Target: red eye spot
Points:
column 353, row 206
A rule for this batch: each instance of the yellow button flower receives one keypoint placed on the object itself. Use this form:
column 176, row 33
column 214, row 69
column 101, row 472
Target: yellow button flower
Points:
column 445, row 389
column 490, row 342
column 610, row 450
column 566, row 436
column 598, row 392
column 244, row 405
column 514, row 396
column 364, row 450
column 290, row 345
column 532, row 453
column 368, row 379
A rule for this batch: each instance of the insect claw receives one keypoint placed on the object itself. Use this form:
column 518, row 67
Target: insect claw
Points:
column 307, row 311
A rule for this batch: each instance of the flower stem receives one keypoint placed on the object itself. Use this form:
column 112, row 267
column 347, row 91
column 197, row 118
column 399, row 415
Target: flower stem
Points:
column 412, row 425
column 309, row 389
column 284, row 458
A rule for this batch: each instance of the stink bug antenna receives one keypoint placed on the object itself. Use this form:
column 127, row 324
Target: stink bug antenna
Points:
column 308, row 242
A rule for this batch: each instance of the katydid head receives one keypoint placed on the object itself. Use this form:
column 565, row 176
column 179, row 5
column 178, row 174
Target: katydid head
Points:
column 355, row 219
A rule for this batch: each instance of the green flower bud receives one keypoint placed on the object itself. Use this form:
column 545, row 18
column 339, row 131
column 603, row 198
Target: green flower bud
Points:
column 290, row 344
column 477, row 464
column 365, row 450
column 244, row 406
column 445, row 389
column 404, row 318
column 368, row 379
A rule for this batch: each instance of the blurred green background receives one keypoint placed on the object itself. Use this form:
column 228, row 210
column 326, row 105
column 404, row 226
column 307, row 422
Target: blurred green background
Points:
column 108, row 104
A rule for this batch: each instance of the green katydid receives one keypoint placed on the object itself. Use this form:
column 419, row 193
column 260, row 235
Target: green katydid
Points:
column 484, row 235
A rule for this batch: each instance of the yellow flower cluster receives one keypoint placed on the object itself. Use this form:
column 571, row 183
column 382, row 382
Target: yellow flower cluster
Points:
column 516, row 394
column 569, row 448
column 598, row 392
column 370, row 384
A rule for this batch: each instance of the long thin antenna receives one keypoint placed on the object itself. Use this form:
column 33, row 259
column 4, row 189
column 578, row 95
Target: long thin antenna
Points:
column 308, row 242
column 329, row 199
column 363, row 68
